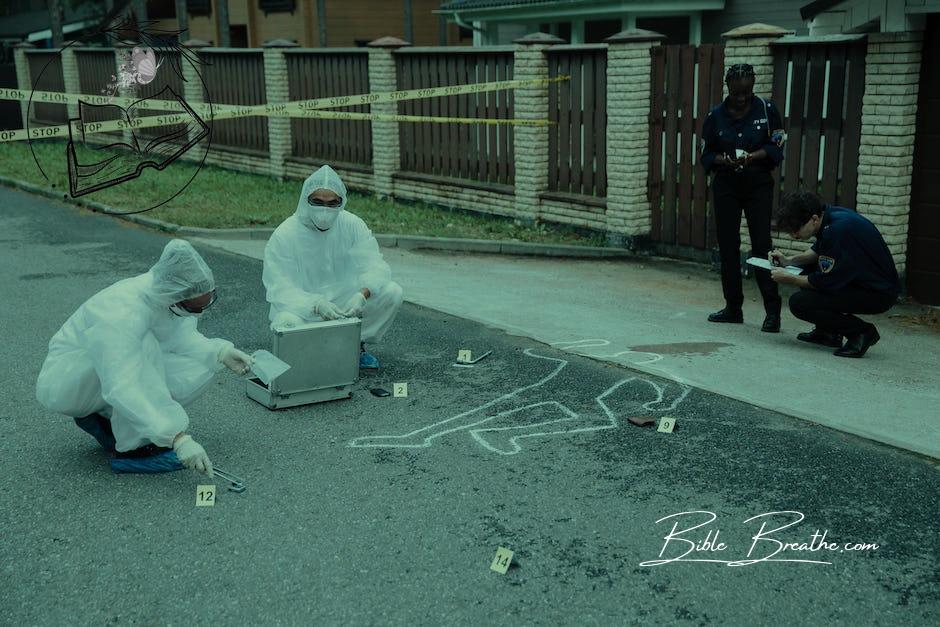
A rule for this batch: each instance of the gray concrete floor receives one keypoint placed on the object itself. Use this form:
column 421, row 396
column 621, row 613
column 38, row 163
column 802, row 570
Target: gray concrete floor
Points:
column 651, row 316
column 389, row 511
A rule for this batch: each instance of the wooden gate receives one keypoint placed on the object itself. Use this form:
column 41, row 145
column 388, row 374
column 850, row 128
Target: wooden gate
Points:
column 819, row 87
column 923, row 246
column 686, row 81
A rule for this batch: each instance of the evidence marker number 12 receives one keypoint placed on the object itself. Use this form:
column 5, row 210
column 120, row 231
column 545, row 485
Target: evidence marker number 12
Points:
column 205, row 495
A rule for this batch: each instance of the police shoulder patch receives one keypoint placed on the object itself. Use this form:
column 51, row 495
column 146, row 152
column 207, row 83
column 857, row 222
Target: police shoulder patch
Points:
column 826, row 264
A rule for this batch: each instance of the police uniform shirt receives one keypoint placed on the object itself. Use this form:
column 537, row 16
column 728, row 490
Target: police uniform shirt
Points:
column 852, row 251
column 722, row 134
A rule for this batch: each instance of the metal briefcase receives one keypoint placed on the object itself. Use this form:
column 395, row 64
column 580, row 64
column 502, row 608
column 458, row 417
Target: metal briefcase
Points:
column 324, row 361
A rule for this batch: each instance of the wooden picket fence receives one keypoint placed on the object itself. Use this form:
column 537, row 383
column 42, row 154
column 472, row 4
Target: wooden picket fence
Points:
column 686, row 82
column 819, row 87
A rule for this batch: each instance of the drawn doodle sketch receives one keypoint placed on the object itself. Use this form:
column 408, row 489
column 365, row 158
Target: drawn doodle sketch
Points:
column 500, row 424
column 91, row 170
column 145, row 65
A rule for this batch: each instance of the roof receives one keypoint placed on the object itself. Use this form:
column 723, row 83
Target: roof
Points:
column 813, row 9
column 463, row 5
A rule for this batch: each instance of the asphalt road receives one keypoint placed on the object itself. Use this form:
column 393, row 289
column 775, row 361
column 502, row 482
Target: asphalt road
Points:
column 389, row 511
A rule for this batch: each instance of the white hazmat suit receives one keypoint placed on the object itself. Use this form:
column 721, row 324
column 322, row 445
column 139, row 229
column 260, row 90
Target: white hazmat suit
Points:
column 125, row 355
column 326, row 255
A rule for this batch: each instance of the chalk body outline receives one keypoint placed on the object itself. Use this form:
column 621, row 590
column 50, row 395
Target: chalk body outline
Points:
column 477, row 432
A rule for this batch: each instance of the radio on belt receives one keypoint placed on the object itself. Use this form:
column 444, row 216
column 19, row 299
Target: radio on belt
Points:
column 324, row 361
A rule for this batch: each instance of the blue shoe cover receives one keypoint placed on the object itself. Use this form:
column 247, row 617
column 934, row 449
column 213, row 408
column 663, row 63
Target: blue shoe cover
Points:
column 164, row 462
column 99, row 428
column 368, row 360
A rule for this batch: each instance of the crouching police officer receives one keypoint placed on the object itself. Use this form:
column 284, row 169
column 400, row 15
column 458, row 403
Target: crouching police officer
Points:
column 856, row 273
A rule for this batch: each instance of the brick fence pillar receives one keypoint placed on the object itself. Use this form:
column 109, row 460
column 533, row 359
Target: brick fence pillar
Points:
column 277, row 91
column 70, row 76
column 531, row 103
column 886, row 151
column 193, row 89
column 383, row 77
column 23, row 80
column 751, row 44
column 122, row 50
column 628, row 119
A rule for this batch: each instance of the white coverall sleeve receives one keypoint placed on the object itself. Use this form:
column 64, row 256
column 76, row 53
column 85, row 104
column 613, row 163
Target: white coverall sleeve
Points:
column 372, row 270
column 280, row 282
column 131, row 386
column 190, row 342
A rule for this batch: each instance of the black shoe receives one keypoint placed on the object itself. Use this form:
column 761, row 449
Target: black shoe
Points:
column 771, row 323
column 856, row 345
column 823, row 338
column 727, row 315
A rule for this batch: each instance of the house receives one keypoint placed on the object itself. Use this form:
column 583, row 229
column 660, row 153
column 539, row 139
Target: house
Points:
column 495, row 22
column 318, row 23
column 250, row 23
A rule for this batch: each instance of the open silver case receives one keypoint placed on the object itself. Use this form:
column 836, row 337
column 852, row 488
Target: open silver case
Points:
column 324, row 361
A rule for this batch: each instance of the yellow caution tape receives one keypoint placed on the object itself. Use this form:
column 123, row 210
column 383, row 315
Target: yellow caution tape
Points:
column 297, row 109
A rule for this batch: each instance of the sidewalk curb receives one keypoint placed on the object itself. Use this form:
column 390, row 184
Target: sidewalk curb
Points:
column 408, row 242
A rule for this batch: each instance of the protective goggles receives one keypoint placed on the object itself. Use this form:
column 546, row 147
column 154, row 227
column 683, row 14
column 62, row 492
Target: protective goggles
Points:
column 316, row 202
column 198, row 310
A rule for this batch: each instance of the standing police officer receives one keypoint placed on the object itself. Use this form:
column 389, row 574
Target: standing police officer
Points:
column 856, row 273
column 739, row 148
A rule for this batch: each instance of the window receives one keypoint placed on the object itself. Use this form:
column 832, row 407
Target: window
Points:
column 238, row 35
column 564, row 31
column 276, row 6
column 676, row 29
column 199, row 7
column 596, row 31
column 465, row 33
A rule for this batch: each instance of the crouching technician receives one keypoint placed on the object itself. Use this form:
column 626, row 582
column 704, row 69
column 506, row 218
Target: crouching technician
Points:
column 323, row 263
column 126, row 363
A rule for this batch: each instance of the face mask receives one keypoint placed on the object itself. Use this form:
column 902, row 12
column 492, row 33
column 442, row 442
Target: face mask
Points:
column 182, row 313
column 323, row 217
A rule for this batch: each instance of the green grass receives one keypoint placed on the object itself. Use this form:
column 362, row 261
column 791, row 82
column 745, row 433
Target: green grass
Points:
column 219, row 198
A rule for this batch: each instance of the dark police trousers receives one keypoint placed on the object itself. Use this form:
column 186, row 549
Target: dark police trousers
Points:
column 832, row 311
column 750, row 192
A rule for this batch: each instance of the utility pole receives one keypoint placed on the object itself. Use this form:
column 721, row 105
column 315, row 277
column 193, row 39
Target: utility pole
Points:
column 225, row 34
column 409, row 23
column 55, row 11
column 140, row 12
column 182, row 19
column 321, row 21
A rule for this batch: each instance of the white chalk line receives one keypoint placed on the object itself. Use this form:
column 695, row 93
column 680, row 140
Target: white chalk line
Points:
column 383, row 441
column 598, row 342
column 355, row 443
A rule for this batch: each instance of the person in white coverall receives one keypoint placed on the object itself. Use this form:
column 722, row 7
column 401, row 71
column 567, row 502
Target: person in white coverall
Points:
column 130, row 358
column 323, row 263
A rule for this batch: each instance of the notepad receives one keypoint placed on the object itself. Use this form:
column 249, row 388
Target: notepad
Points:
column 763, row 263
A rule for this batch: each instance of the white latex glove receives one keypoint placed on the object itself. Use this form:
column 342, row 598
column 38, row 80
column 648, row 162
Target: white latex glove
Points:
column 192, row 455
column 327, row 310
column 235, row 360
column 353, row 307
